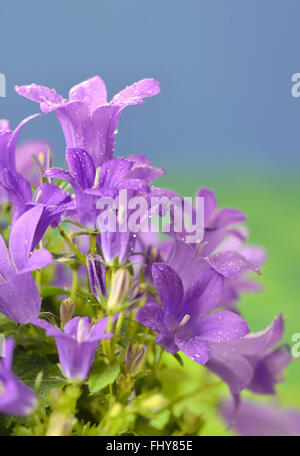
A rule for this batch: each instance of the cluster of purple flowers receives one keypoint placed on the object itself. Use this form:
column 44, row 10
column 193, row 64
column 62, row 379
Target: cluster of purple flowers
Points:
column 189, row 292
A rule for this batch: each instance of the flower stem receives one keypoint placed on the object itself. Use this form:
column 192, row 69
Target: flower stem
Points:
column 72, row 246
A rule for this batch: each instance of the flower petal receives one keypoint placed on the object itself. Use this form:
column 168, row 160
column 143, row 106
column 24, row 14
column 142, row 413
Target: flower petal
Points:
column 222, row 326
column 170, row 291
column 135, row 93
column 22, row 236
column 81, row 166
column 91, row 92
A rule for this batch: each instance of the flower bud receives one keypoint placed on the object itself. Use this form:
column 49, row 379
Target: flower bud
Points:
column 120, row 284
column 67, row 309
column 134, row 357
column 97, row 275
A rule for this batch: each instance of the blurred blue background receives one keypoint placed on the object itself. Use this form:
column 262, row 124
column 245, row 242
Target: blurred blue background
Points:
column 225, row 117
column 225, row 70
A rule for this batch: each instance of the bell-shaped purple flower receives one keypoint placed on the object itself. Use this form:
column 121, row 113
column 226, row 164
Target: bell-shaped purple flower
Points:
column 53, row 200
column 15, row 397
column 19, row 296
column 88, row 120
column 8, row 142
column 255, row 419
column 90, row 183
column 183, row 321
column 76, row 344
column 32, row 158
column 251, row 362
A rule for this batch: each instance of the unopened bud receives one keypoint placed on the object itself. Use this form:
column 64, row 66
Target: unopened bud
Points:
column 134, row 357
column 120, row 284
column 97, row 275
column 154, row 402
column 67, row 309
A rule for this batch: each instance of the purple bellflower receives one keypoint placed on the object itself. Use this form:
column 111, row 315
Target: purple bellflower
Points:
column 53, row 201
column 19, row 296
column 254, row 419
column 251, row 362
column 32, row 158
column 76, row 344
column 183, row 321
column 8, row 142
column 15, row 397
column 90, row 183
column 88, row 120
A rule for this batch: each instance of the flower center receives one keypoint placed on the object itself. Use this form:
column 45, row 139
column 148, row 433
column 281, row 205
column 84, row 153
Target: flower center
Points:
column 97, row 177
column 184, row 321
column 80, row 331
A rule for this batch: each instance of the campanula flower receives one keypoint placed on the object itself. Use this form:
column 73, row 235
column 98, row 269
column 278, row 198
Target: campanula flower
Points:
column 76, row 344
column 183, row 321
column 53, row 201
column 88, row 120
column 8, row 142
column 256, row 419
column 90, row 183
column 15, row 397
column 251, row 362
column 19, row 296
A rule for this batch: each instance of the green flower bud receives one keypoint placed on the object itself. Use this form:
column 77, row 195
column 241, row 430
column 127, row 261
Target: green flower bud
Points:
column 67, row 309
column 120, row 283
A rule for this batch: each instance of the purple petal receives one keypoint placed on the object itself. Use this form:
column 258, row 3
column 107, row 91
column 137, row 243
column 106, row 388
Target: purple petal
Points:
column 38, row 260
column 49, row 99
column 230, row 264
column 116, row 245
column 6, row 267
column 142, row 169
column 18, row 189
column 51, row 196
column 134, row 184
column 170, row 291
column 135, row 93
column 101, row 135
column 91, row 92
column 230, row 366
column 210, row 203
column 114, row 171
column 81, row 166
column 222, row 326
column 59, row 173
column 205, row 294
column 151, row 315
column 97, row 275
column 22, row 236
column 20, row 299
column 256, row 343
column 49, row 328
column 227, row 217
column 195, row 348
column 254, row 419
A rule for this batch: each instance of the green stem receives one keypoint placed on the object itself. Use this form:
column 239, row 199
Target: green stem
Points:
column 118, row 329
column 72, row 246
column 74, row 285
column 93, row 243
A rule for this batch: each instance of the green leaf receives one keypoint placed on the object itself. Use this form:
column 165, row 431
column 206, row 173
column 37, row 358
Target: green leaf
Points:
column 50, row 292
column 27, row 367
column 102, row 375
